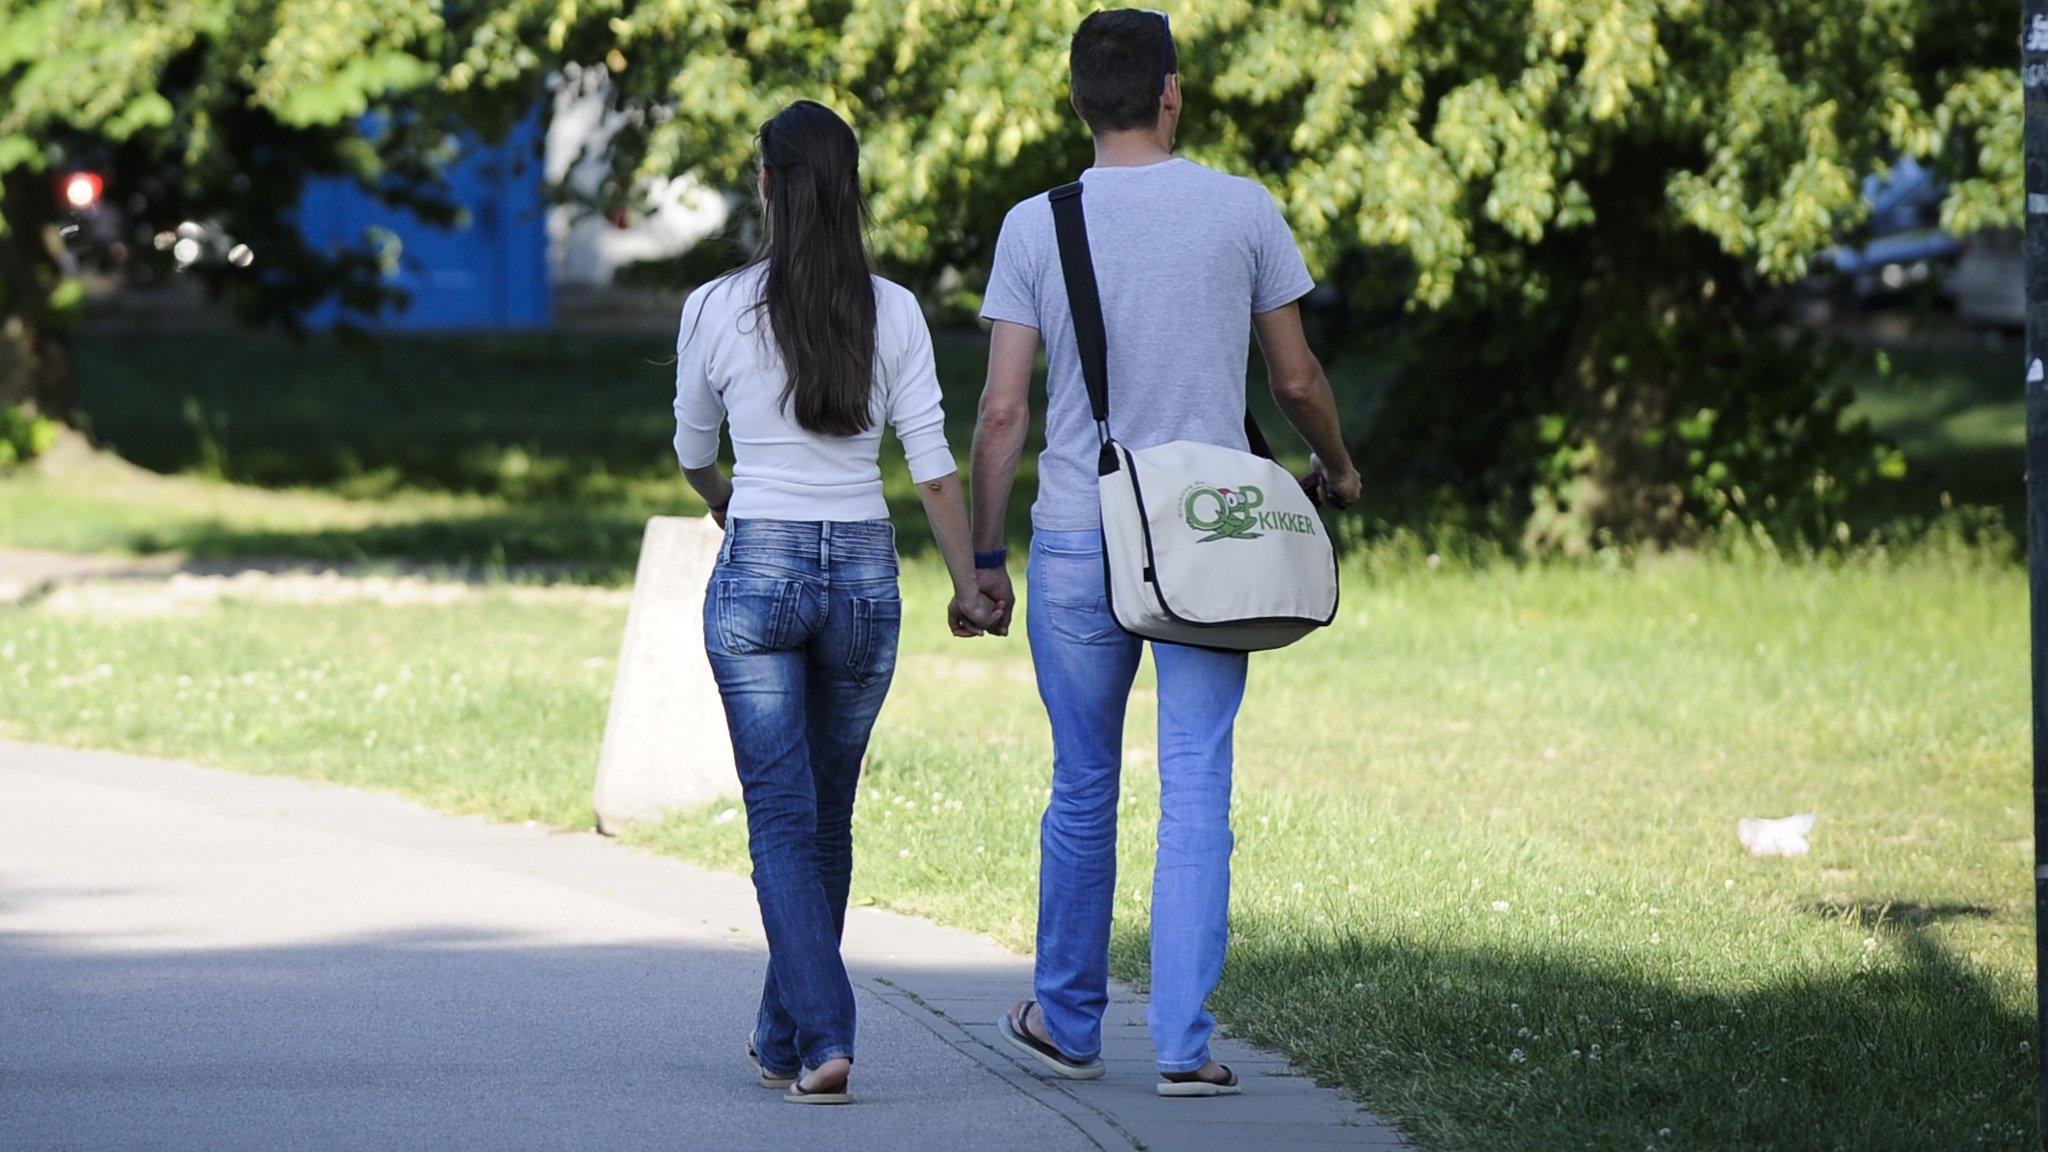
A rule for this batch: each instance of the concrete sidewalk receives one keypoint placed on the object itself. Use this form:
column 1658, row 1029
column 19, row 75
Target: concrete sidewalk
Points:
column 193, row 959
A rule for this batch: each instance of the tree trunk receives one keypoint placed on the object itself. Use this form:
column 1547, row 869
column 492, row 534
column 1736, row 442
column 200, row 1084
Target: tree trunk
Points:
column 35, row 347
column 1654, row 306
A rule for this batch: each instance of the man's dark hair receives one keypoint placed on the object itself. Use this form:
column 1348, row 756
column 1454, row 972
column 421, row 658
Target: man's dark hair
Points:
column 1118, row 67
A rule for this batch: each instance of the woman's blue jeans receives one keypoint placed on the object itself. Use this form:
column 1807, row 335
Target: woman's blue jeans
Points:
column 800, row 622
column 1085, row 666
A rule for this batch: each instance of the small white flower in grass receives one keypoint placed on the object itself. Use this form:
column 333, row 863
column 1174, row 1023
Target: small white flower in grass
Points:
column 1663, row 1131
column 1869, row 942
column 980, row 849
column 1656, row 938
column 903, row 855
column 1298, row 888
column 380, row 691
column 1515, row 1056
column 726, row 816
column 1500, row 905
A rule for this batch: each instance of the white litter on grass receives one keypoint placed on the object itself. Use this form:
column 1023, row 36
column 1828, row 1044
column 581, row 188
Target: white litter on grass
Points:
column 1784, row 836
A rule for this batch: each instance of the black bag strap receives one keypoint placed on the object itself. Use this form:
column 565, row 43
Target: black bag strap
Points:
column 1084, row 299
column 1077, row 266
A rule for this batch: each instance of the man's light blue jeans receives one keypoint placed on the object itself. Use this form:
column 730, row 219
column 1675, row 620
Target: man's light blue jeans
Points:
column 1085, row 668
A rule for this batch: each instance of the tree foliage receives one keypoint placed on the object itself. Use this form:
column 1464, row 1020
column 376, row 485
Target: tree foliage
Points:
column 217, row 111
column 1575, row 212
column 1584, row 204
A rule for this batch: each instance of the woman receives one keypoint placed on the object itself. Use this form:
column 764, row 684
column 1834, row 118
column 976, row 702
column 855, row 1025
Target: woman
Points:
column 805, row 353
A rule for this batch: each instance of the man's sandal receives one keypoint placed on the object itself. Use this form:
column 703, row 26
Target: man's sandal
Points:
column 1014, row 1029
column 1192, row 1084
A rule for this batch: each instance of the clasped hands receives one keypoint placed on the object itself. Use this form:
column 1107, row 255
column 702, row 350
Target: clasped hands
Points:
column 984, row 609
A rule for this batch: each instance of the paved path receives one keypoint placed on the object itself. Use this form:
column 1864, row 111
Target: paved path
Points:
column 192, row 959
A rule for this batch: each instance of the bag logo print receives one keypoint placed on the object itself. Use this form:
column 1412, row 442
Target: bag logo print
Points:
column 1233, row 514
column 1224, row 513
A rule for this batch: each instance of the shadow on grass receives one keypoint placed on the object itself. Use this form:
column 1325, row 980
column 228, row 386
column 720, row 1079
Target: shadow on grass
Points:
column 600, row 545
column 597, row 543
column 1470, row 1048
column 1897, row 915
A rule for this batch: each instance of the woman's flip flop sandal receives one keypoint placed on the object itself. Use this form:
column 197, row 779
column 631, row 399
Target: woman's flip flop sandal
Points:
column 827, row 1094
column 768, row 1079
column 1054, row 1060
column 1195, row 1086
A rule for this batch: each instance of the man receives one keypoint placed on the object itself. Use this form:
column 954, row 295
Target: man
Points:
column 1190, row 262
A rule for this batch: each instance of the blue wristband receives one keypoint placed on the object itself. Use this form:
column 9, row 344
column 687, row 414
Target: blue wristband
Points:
column 995, row 559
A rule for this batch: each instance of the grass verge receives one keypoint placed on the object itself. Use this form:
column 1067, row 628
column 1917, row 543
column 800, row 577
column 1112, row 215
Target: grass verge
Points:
column 1487, row 873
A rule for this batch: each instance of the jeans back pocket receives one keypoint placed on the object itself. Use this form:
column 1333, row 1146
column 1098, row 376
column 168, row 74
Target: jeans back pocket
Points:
column 755, row 614
column 871, row 651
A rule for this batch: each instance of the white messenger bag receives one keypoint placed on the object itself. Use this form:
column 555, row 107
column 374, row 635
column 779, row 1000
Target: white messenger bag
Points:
column 1205, row 545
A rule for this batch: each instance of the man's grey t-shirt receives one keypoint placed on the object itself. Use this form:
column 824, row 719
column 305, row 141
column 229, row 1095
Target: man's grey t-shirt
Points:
column 1184, row 257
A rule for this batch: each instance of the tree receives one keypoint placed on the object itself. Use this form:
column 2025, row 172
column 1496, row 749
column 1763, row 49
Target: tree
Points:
column 1584, row 204
column 217, row 112
column 1579, row 210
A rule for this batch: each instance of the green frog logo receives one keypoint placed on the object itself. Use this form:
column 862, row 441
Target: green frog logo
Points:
column 1223, row 513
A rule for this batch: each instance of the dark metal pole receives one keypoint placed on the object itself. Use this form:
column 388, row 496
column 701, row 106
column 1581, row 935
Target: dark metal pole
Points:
column 2034, row 82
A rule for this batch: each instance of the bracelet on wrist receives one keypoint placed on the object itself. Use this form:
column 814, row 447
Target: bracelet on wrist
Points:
column 994, row 558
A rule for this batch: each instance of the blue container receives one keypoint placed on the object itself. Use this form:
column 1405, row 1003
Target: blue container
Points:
column 488, row 272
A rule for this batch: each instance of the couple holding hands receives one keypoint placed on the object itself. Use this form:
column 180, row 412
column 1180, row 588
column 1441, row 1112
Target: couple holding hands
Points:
column 805, row 354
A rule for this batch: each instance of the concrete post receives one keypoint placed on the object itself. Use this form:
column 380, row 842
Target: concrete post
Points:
column 665, row 742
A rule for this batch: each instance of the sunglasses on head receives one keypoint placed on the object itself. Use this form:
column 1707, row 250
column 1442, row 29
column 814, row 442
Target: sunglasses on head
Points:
column 1165, row 45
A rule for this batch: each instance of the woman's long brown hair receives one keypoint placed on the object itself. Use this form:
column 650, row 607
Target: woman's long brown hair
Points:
column 818, row 293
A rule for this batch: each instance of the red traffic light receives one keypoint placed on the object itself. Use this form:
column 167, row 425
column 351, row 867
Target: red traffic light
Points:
column 80, row 191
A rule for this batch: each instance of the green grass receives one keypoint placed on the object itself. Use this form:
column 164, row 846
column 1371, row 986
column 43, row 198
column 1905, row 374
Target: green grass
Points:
column 554, row 448
column 1487, row 873
column 547, row 449
column 470, row 451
